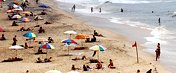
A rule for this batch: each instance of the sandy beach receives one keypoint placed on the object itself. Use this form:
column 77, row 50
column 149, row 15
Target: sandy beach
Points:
column 119, row 49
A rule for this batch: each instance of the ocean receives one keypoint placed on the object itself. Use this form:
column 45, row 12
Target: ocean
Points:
column 138, row 22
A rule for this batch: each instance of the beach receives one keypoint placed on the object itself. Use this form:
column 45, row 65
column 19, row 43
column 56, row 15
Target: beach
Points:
column 119, row 48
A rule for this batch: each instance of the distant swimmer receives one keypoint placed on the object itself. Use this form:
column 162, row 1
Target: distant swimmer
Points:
column 73, row 8
column 159, row 21
column 91, row 9
column 100, row 10
column 121, row 10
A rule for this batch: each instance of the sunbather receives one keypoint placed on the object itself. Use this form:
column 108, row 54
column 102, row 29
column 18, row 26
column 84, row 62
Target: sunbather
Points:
column 74, row 68
column 3, row 37
column 96, row 33
column 48, row 60
column 83, row 58
column 50, row 40
column 111, row 65
column 43, row 13
column 41, row 30
column 14, row 23
column 99, row 65
column 39, row 60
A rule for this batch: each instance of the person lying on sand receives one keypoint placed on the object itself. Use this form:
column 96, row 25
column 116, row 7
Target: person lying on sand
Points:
column 97, row 34
column 47, row 60
column 74, row 68
column 47, row 22
column 111, row 65
column 50, row 40
column 2, row 37
column 23, row 29
column 43, row 13
column 39, row 60
column 83, row 58
column 91, row 40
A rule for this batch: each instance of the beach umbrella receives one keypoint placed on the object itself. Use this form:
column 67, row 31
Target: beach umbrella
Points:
column 30, row 35
column 82, row 36
column 18, row 9
column 43, row 6
column 26, row 12
column 41, row 40
column 16, row 47
column 70, row 32
column 53, row 71
column 16, row 16
column 46, row 46
column 69, row 41
column 25, row 19
column 10, row 11
column 73, row 72
column 1, row 29
column 97, row 48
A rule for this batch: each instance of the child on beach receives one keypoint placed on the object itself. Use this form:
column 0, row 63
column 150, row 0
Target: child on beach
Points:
column 111, row 65
column 14, row 41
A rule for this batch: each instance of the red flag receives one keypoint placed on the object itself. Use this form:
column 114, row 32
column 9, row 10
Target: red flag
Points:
column 135, row 44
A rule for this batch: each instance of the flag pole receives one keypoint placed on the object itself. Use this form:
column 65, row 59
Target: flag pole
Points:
column 137, row 54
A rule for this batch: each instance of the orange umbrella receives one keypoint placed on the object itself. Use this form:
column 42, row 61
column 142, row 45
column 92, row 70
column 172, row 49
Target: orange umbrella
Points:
column 81, row 36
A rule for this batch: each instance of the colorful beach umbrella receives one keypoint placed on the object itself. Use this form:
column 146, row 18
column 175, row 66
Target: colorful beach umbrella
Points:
column 97, row 48
column 43, row 6
column 1, row 29
column 47, row 46
column 30, row 35
column 25, row 20
column 69, row 41
column 53, row 71
column 16, row 16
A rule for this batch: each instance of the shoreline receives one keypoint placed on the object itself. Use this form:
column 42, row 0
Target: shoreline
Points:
column 123, row 57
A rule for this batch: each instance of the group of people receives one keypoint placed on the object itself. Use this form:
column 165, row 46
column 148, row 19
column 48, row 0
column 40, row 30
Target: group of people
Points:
column 43, row 61
column 98, row 66
column 91, row 9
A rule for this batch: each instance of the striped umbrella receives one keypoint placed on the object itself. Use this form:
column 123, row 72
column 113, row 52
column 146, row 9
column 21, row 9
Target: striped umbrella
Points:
column 97, row 48
column 46, row 46
column 30, row 35
column 25, row 20
column 69, row 41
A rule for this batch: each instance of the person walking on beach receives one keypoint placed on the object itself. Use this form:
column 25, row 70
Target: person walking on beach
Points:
column 91, row 9
column 121, row 10
column 100, row 10
column 159, row 21
column 158, row 52
column 14, row 40
column 73, row 8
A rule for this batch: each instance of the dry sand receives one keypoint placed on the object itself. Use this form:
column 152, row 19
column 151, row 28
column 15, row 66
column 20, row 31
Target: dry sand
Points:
column 118, row 47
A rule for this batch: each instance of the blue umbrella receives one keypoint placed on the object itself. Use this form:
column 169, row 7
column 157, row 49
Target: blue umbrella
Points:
column 43, row 6
column 30, row 35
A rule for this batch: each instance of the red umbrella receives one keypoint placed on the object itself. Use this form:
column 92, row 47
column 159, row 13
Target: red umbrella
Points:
column 1, row 29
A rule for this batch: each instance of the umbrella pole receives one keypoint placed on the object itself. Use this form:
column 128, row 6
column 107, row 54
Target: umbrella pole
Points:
column 68, row 50
column 16, row 53
column 46, row 53
column 98, row 55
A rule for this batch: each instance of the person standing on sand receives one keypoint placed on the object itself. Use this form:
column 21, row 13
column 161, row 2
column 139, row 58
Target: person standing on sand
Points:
column 159, row 21
column 121, row 10
column 138, row 71
column 100, row 10
column 14, row 40
column 73, row 8
column 91, row 9
column 158, row 52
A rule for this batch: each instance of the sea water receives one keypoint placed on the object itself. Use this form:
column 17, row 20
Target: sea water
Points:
column 139, row 22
